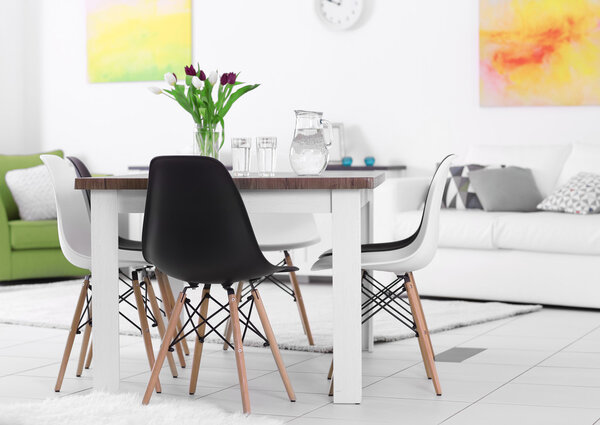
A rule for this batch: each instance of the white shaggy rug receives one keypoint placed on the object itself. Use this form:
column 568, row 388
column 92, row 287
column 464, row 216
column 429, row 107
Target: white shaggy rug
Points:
column 52, row 305
column 122, row 409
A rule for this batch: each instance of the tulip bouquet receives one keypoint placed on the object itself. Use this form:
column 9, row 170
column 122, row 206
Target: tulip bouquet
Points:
column 195, row 95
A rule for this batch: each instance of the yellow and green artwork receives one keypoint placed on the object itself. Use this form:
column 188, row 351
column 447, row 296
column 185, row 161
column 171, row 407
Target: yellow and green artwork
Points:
column 539, row 52
column 137, row 40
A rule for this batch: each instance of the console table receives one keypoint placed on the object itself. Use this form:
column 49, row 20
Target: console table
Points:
column 346, row 195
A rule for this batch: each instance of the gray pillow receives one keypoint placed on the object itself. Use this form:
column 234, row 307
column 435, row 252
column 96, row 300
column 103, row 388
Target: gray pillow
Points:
column 506, row 189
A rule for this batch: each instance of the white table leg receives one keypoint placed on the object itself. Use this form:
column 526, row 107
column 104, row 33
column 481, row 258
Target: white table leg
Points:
column 367, row 237
column 347, row 354
column 105, row 290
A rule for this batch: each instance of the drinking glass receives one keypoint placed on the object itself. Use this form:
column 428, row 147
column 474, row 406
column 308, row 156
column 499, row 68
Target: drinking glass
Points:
column 266, row 148
column 240, row 155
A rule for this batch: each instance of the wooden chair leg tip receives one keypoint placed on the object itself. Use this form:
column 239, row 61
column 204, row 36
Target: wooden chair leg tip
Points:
column 79, row 376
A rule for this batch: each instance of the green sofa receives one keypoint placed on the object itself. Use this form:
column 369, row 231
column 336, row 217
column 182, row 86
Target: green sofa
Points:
column 28, row 249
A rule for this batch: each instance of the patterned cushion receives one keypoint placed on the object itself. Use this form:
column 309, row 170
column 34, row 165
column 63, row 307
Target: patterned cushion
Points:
column 458, row 192
column 580, row 195
column 33, row 192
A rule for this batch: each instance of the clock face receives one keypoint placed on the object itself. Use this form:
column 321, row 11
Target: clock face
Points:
column 339, row 14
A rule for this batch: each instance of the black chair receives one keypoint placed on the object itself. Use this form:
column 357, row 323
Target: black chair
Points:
column 196, row 229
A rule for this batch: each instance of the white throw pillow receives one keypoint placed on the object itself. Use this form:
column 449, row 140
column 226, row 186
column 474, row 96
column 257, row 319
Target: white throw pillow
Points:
column 580, row 195
column 583, row 158
column 545, row 161
column 33, row 193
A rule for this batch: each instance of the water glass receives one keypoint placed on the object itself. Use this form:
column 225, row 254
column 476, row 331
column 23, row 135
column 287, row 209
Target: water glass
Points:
column 266, row 149
column 240, row 155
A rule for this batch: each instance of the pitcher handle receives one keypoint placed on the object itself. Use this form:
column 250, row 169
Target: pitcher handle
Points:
column 327, row 123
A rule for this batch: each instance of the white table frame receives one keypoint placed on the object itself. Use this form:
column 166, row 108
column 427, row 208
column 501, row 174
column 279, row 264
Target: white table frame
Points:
column 351, row 211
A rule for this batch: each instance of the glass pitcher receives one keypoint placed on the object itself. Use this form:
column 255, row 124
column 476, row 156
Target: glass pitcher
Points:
column 309, row 152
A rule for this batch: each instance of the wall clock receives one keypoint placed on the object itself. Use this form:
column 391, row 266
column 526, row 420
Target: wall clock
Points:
column 339, row 14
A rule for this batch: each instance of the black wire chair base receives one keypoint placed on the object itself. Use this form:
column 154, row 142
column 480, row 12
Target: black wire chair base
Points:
column 388, row 298
column 194, row 312
column 271, row 278
column 86, row 317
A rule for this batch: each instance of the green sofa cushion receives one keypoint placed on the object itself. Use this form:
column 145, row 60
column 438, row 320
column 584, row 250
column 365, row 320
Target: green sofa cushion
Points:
column 33, row 234
column 12, row 162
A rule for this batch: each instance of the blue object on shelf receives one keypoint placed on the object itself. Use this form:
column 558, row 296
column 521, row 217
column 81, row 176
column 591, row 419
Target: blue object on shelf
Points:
column 347, row 161
column 369, row 161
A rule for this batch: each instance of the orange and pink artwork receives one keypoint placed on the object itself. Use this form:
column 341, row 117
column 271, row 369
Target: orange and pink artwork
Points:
column 539, row 52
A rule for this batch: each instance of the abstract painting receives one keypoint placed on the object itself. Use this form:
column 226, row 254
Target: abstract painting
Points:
column 539, row 52
column 137, row 40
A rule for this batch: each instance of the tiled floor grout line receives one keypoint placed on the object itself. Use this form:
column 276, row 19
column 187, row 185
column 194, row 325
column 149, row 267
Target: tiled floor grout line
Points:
column 410, row 366
column 29, row 370
column 520, row 374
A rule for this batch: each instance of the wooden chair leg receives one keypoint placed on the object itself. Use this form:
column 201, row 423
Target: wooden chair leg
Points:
column 199, row 344
column 141, row 308
column 159, row 321
column 264, row 319
column 239, row 349
column 164, row 348
column 423, row 314
column 87, row 333
column 424, row 342
column 88, row 360
column 331, row 388
column 169, row 292
column 330, row 374
column 165, row 290
column 299, row 300
column 72, row 333
column 228, row 329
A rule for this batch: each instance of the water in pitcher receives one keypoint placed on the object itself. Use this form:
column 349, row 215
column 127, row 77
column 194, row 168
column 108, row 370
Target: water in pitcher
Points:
column 309, row 153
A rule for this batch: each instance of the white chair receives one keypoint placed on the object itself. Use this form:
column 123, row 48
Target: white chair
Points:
column 74, row 233
column 403, row 258
column 282, row 233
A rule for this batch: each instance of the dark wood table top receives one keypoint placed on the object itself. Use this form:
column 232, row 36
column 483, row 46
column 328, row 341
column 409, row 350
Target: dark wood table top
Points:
column 281, row 181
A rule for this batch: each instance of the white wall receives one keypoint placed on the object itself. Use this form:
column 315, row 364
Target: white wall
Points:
column 11, row 65
column 19, row 77
column 405, row 83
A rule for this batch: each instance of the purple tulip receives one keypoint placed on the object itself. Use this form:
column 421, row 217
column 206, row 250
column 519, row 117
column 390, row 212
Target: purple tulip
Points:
column 224, row 79
column 174, row 76
column 202, row 76
column 189, row 70
column 231, row 78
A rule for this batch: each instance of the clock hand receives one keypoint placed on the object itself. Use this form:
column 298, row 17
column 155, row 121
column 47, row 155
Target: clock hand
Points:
column 337, row 3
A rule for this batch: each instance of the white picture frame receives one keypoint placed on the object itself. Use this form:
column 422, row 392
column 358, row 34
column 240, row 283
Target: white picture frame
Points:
column 337, row 150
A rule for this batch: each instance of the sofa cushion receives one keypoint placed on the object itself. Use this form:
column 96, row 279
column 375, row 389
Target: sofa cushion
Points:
column 579, row 195
column 506, row 189
column 458, row 228
column 548, row 232
column 12, row 162
column 33, row 234
column 545, row 161
column 33, row 193
column 458, row 192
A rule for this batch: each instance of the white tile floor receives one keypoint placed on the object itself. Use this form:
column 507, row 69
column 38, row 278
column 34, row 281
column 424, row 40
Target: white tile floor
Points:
column 538, row 368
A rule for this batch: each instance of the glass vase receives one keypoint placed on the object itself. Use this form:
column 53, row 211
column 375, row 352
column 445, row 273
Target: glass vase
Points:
column 207, row 142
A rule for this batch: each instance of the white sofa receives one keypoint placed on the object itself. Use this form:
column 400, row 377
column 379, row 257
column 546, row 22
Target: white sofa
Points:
column 538, row 257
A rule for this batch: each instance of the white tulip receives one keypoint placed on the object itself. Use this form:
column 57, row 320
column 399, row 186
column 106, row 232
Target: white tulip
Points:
column 196, row 82
column 155, row 90
column 213, row 77
column 170, row 78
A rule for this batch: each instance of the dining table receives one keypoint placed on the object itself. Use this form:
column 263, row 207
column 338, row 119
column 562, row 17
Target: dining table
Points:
column 347, row 196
